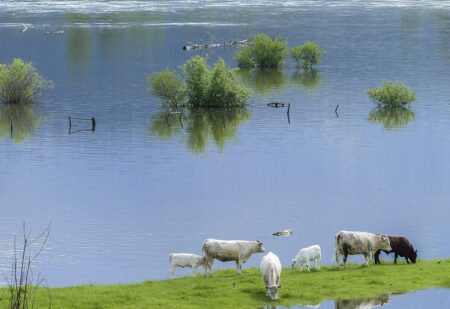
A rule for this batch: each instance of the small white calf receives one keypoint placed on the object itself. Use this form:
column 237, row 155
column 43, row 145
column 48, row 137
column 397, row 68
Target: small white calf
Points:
column 312, row 253
column 271, row 272
column 185, row 260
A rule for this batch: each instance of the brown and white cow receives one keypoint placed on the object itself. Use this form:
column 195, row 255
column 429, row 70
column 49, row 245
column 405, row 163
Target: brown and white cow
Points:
column 401, row 246
column 230, row 250
column 351, row 243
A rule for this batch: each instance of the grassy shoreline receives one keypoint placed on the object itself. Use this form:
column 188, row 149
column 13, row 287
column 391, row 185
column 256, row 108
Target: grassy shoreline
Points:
column 226, row 289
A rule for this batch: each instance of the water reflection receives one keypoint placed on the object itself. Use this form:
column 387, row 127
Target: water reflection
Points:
column 263, row 81
column 362, row 303
column 391, row 117
column 79, row 44
column 308, row 79
column 18, row 121
column 200, row 125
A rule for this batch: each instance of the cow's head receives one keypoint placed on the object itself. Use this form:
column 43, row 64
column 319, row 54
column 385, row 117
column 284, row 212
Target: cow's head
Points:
column 384, row 243
column 293, row 264
column 259, row 246
column 272, row 291
column 413, row 256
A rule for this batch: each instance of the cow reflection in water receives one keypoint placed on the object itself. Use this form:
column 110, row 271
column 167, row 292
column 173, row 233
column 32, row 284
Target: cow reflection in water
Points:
column 362, row 303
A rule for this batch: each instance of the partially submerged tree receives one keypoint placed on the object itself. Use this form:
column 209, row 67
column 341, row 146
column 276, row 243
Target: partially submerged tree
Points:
column 202, row 86
column 263, row 52
column 306, row 55
column 20, row 82
column 392, row 94
column 167, row 86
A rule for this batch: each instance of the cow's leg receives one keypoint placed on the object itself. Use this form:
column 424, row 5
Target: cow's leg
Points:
column 317, row 263
column 346, row 249
column 194, row 270
column 395, row 258
column 407, row 260
column 172, row 271
column 307, row 265
column 208, row 266
column 345, row 259
column 337, row 256
column 367, row 259
column 377, row 257
column 239, row 267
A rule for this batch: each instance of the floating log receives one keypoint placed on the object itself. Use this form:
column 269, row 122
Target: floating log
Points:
column 214, row 45
column 276, row 104
column 284, row 233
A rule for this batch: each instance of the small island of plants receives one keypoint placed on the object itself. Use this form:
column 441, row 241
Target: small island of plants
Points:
column 199, row 85
column 392, row 94
column 20, row 82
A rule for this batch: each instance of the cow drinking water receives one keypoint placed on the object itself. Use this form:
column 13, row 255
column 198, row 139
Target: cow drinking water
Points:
column 271, row 273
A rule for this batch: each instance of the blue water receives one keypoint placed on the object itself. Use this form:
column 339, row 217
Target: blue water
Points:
column 122, row 198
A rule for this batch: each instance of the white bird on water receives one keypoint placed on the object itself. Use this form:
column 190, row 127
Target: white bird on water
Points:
column 25, row 28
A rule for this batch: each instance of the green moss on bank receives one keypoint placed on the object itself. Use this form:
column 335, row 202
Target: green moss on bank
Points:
column 229, row 290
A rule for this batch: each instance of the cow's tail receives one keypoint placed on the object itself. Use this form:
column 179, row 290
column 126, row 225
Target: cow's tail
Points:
column 336, row 246
column 170, row 258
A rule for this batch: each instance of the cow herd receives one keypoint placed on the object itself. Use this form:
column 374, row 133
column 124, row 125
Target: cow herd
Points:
column 346, row 243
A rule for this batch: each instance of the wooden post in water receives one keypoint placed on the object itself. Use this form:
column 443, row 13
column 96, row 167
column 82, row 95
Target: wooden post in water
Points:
column 288, row 113
column 93, row 124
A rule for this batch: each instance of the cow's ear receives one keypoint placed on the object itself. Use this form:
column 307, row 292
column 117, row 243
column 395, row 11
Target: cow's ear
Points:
column 279, row 286
column 415, row 251
column 259, row 242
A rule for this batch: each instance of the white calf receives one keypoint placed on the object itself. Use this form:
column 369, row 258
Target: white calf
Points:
column 185, row 260
column 271, row 272
column 312, row 253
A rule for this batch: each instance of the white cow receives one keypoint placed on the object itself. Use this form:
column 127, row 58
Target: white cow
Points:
column 271, row 273
column 230, row 250
column 312, row 253
column 185, row 260
column 351, row 243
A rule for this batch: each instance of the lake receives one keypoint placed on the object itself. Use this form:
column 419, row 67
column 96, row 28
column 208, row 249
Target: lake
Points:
column 145, row 184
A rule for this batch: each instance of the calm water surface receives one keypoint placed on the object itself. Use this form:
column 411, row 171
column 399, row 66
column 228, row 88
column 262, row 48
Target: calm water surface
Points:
column 120, row 199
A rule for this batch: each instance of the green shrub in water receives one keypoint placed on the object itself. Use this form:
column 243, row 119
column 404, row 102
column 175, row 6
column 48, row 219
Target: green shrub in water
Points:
column 392, row 94
column 263, row 52
column 167, row 86
column 202, row 87
column 306, row 55
column 20, row 82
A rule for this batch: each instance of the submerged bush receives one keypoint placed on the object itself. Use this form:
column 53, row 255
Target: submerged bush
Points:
column 263, row 52
column 167, row 86
column 306, row 55
column 202, row 87
column 20, row 82
column 392, row 94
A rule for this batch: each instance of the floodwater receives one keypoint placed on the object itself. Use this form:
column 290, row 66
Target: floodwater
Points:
column 431, row 298
column 145, row 184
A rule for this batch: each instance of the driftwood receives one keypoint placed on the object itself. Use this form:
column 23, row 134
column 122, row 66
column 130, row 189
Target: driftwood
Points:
column 285, row 233
column 214, row 45
column 276, row 104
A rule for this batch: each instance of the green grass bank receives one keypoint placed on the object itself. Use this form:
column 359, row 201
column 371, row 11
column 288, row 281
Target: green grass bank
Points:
column 227, row 289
